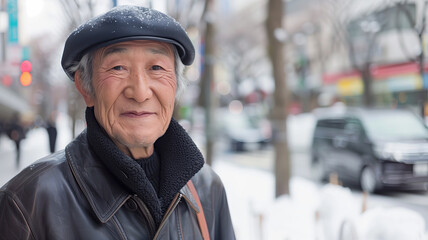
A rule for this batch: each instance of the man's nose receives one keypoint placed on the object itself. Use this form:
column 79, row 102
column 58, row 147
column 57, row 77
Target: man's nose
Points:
column 139, row 87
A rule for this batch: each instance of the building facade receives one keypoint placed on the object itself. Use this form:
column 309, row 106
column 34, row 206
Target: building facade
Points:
column 338, row 47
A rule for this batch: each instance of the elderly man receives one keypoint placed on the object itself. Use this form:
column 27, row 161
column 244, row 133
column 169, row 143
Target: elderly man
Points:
column 134, row 173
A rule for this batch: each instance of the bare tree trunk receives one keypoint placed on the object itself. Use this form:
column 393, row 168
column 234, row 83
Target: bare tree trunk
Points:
column 207, row 82
column 281, row 96
column 366, row 76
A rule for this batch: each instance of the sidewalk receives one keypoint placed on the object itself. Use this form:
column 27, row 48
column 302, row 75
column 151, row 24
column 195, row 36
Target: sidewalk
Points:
column 33, row 147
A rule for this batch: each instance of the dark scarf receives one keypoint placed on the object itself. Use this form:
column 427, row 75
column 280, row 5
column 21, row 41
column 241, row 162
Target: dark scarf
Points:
column 151, row 167
column 179, row 157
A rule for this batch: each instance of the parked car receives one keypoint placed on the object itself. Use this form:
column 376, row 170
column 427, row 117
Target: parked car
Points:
column 244, row 132
column 375, row 148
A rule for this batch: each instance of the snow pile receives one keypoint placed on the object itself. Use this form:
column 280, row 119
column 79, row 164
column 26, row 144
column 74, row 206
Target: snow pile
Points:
column 293, row 217
column 250, row 193
column 337, row 210
column 332, row 212
column 393, row 224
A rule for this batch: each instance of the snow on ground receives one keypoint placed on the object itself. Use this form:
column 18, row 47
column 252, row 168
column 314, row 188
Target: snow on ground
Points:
column 311, row 211
column 250, row 192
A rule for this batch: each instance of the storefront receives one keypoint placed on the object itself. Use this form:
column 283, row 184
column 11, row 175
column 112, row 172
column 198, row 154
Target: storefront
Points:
column 393, row 85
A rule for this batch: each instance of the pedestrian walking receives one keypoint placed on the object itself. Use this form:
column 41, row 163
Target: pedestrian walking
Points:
column 52, row 133
column 15, row 131
column 1, row 130
column 134, row 172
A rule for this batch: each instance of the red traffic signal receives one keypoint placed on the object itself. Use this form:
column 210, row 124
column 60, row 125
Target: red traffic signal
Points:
column 26, row 66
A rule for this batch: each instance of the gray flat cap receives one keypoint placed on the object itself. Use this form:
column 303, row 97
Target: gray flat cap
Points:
column 125, row 23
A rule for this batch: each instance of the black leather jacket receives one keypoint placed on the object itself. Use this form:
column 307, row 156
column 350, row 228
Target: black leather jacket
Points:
column 71, row 195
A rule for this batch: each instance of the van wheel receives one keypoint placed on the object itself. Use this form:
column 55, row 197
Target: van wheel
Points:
column 368, row 180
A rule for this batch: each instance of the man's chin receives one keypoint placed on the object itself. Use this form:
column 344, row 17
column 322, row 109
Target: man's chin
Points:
column 134, row 141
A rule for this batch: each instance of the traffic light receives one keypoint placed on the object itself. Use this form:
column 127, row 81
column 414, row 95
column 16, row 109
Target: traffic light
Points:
column 26, row 77
column 7, row 80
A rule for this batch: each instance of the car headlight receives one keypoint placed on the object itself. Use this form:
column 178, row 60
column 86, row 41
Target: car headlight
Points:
column 382, row 154
column 388, row 154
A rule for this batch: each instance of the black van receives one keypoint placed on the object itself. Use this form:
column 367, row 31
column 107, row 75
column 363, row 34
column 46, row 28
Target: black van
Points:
column 375, row 148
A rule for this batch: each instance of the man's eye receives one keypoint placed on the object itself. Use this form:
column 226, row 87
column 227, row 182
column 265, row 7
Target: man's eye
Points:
column 117, row 68
column 156, row 67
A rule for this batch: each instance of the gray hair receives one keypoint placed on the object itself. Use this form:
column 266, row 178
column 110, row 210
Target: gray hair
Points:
column 86, row 69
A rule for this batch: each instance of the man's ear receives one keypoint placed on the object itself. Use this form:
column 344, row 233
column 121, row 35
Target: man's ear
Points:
column 86, row 96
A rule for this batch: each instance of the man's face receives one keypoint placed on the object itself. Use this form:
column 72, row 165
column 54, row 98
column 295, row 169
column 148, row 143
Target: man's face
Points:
column 134, row 84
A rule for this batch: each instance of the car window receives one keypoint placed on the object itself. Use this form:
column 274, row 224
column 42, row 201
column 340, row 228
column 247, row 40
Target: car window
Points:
column 394, row 125
column 331, row 123
column 328, row 128
column 353, row 126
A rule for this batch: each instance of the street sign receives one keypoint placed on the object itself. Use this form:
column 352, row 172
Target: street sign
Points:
column 12, row 9
column 26, row 53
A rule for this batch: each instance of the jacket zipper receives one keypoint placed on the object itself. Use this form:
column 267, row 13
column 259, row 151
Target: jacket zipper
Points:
column 145, row 211
column 168, row 213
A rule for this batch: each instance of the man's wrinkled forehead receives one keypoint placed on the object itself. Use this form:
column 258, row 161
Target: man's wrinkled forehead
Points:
column 153, row 47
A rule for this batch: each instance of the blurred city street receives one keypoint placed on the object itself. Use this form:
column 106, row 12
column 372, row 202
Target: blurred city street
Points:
column 339, row 85
column 33, row 147
column 249, row 183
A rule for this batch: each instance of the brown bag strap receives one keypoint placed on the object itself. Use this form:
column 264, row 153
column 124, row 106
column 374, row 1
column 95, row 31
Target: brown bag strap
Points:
column 200, row 215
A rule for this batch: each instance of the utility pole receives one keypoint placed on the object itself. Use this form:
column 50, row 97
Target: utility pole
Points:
column 421, row 32
column 3, row 17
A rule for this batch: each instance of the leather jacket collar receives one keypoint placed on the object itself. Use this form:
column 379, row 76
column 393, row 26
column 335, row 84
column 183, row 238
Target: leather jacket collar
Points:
column 104, row 193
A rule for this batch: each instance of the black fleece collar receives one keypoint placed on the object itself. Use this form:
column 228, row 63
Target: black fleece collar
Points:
column 180, row 160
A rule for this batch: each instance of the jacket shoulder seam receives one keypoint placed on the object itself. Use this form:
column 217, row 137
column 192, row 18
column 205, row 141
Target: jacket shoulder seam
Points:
column 32, row 172
column 17, row 203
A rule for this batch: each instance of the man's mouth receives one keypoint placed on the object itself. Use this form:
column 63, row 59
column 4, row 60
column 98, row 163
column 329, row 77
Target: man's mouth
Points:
column 137, row 113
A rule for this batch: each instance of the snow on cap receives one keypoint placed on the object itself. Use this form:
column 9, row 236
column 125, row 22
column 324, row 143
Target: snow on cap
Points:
column 125, row 23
